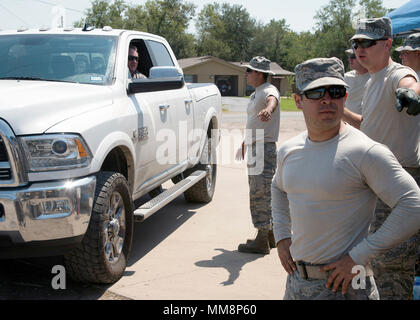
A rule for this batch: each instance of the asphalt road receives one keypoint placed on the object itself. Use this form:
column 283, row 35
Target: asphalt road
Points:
column 184, row 251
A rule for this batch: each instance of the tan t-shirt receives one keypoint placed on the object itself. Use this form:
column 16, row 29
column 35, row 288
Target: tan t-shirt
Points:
column 258, row 102
column 356, row 84
column 323, row 196
column 381, row 120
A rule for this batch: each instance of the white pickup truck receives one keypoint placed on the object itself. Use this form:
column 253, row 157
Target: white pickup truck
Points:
column 81, row 142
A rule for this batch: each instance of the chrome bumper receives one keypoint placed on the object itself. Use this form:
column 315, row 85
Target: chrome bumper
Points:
column 26, row 214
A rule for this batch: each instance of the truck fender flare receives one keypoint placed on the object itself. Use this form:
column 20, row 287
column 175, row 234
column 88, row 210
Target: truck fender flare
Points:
column 108, row 143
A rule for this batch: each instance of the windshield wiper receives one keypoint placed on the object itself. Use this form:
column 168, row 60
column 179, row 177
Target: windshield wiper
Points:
column 31, row 78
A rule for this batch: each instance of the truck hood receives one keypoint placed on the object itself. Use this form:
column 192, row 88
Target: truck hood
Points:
column 31, row 107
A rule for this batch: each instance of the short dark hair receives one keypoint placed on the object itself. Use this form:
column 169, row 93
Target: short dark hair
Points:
column 133, row 48
column 265, row 75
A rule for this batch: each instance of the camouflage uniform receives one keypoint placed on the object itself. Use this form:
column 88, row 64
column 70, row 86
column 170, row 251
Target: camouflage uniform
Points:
column 260, row 186
column 298, row 288
column 393, row 270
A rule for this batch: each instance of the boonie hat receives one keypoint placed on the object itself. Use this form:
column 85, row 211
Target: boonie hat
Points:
column 411, row 43
column 260, row 64
column 319, row 72
column 373, row 29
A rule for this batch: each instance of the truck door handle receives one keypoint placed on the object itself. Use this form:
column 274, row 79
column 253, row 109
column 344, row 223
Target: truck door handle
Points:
column 188, row 101
column 163, row 107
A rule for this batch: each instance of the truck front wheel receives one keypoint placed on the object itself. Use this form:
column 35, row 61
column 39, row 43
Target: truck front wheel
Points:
column 103, row 254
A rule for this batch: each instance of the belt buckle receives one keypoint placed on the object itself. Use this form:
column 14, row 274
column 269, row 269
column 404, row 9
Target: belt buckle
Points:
column 302, row 269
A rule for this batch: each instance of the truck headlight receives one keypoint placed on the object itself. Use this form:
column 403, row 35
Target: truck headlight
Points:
column 55, row 152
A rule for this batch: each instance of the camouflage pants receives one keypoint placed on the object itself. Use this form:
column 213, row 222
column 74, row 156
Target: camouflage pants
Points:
column 260, row 185
column 298, row 288
column 394, row 269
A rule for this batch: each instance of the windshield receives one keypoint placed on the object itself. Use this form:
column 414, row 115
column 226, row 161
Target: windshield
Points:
column 71, row 58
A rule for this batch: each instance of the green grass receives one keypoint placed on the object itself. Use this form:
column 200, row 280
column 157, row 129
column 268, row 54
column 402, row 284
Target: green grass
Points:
column 288, row 104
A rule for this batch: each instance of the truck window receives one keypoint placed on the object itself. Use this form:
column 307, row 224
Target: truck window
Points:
column 70, row 58
column 159, row 54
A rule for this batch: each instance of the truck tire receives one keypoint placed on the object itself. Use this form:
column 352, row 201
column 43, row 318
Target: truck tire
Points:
column 103, row 254
column 202, row 191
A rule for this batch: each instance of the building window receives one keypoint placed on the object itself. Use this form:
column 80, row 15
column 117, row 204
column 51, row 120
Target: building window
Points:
column 190, row 78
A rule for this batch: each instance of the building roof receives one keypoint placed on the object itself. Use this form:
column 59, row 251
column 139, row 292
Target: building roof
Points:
column 191, row 62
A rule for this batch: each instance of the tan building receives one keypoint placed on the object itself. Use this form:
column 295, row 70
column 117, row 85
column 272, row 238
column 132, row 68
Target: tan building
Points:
column 229, row 76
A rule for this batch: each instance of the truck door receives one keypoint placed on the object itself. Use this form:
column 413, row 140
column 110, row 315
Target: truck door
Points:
column 179, row 100
column 158, row 126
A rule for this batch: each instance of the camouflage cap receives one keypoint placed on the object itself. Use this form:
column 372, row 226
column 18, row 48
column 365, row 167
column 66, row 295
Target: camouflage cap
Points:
column 260, row 64
column 411, row 43
column 319, row 72
column 373, row 29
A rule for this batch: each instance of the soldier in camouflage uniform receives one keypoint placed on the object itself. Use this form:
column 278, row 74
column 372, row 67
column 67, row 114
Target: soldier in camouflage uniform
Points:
column 391, row 84
column 324, row 193
column 410, row 56
column 262, row 130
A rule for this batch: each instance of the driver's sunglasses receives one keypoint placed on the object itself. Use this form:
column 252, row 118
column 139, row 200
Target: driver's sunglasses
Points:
column 131, row 58
column 335, row 92
column 365, row 43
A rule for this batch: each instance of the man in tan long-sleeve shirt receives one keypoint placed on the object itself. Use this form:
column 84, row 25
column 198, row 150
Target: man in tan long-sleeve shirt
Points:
column 324, row 194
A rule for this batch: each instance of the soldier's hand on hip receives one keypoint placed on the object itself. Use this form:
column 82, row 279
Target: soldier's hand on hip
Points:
column 341, row 273
column 283, row 250
column 407, row 98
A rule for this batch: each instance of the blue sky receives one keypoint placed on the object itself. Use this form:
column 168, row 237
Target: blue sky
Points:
column 35, row 13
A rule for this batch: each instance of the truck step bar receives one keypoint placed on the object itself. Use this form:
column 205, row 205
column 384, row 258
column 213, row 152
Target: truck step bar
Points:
column 146, row 210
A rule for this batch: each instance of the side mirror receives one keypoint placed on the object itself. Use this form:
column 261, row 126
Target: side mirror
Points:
column 160, row 79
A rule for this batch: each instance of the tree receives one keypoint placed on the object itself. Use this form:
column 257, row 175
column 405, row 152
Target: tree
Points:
column 167, row 18
column 334, row 29
column 373, row 8
column 170, row 19
column 102, row 13
column 225, row 31
column 274, row 41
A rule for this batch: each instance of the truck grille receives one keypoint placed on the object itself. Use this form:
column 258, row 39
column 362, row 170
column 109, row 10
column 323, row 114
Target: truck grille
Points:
column 5, row 171
column 3, row 152
column 5, row 174
column 12, row 173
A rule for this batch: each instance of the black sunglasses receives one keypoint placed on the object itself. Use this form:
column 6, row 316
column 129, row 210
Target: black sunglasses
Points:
column 365, row 43
column 131, row 58
column 335, row 92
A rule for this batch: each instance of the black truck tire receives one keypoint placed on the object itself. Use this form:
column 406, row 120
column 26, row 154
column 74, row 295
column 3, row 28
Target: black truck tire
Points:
column 203, row 191
column 103, row 254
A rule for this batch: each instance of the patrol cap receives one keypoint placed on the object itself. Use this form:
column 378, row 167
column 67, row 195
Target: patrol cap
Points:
column 260, row 64
column 319, row 72
column 411, row 43
column 373, row 29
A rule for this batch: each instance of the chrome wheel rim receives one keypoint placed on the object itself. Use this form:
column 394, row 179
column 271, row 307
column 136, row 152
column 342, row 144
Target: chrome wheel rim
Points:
column 115, row 228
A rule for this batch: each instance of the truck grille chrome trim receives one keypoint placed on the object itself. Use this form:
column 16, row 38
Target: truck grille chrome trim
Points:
column 12, row 171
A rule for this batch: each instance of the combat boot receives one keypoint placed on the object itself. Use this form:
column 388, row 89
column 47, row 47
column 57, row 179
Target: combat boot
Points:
column 258, row 245
column 271, row 240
